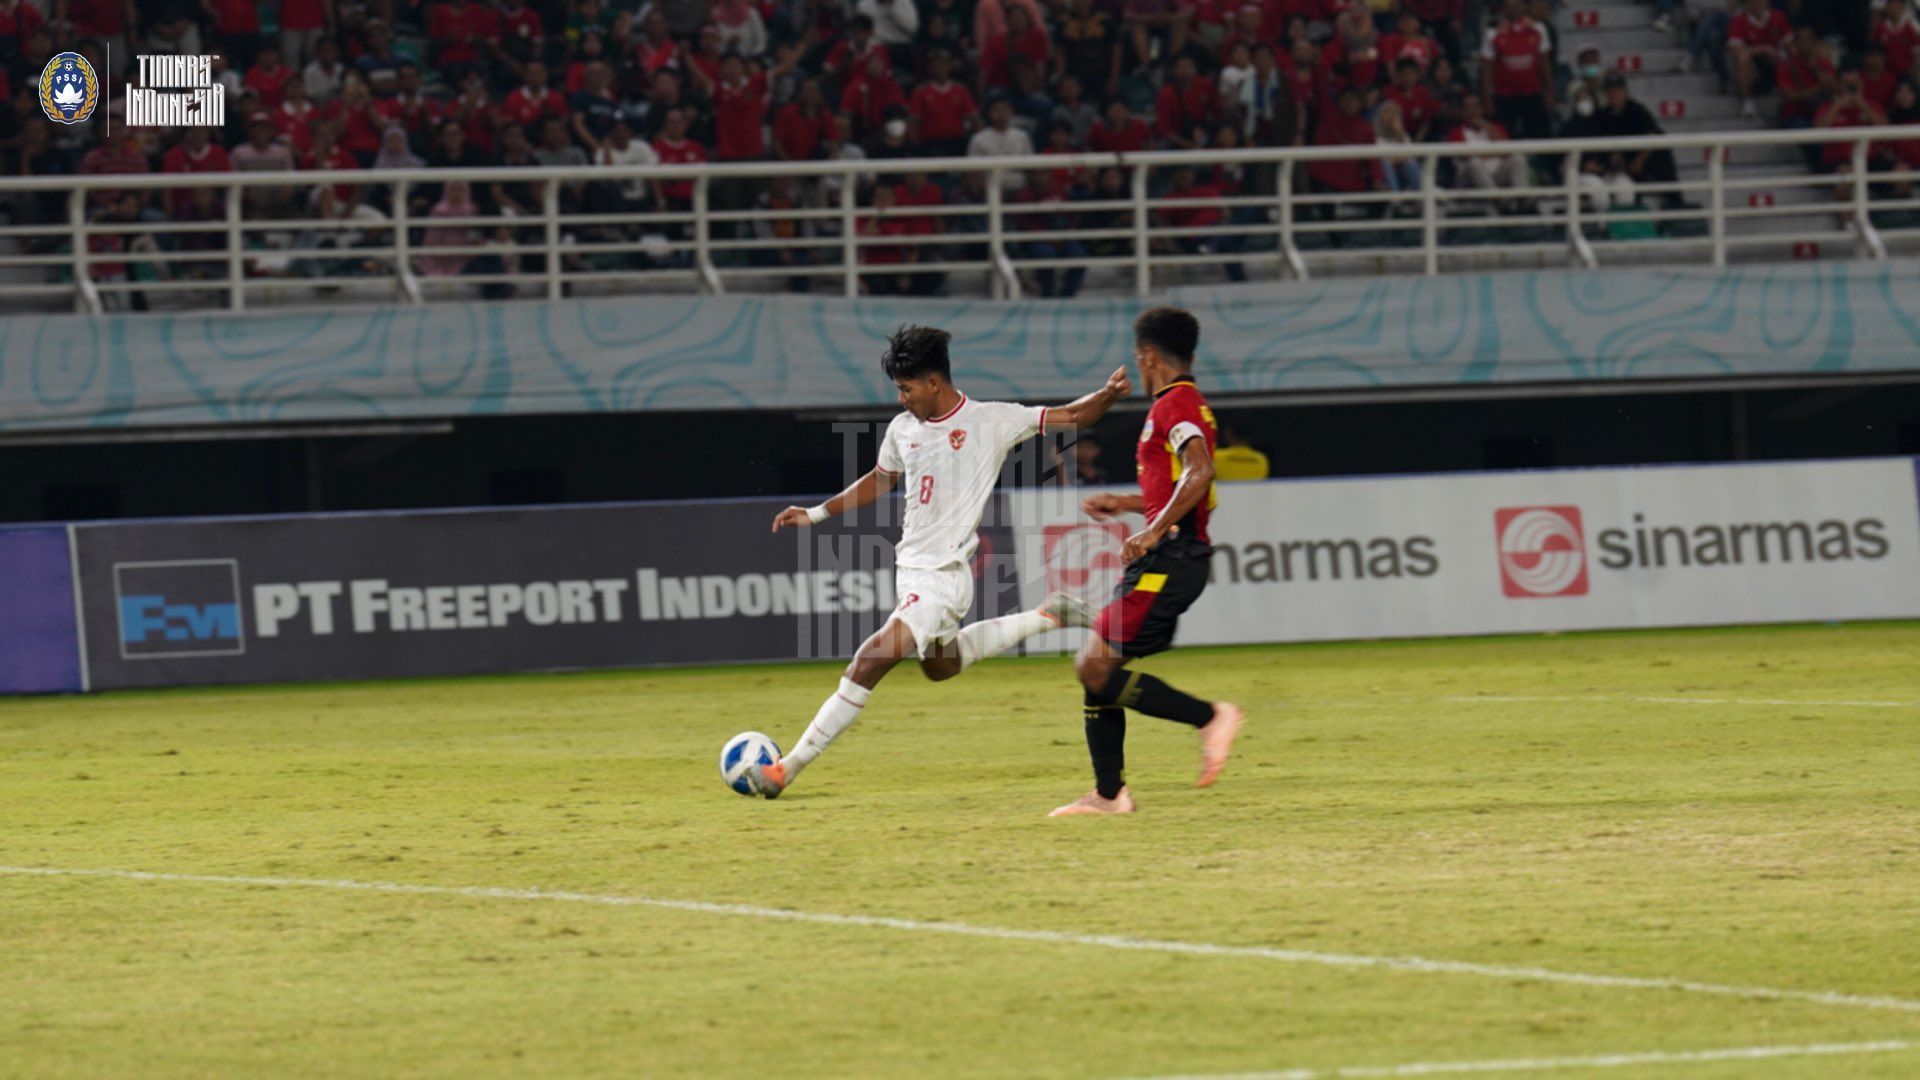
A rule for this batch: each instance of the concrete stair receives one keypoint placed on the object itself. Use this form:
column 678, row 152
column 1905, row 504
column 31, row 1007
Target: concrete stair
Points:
column 1696, row 102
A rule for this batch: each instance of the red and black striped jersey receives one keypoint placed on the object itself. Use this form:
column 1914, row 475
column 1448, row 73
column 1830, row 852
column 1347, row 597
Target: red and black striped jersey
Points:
column 1179, row 413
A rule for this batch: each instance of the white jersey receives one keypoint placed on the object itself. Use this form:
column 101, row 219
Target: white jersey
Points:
column 951, row 464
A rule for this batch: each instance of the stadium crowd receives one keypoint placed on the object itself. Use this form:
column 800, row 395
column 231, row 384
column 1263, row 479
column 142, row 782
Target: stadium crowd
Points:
column 366, row 85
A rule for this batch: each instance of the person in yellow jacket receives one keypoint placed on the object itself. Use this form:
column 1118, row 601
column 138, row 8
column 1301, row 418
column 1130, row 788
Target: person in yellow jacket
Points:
column 1235, row 460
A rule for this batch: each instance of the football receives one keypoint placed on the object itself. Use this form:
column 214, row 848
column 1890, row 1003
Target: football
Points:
column 742, row 751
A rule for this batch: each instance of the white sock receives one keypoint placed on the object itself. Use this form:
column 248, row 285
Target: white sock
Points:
column 995, row 636
column 836, row 715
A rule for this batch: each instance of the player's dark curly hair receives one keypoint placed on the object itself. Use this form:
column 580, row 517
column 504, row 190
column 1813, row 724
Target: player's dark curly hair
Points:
column 917, row 351
column 1171, row 330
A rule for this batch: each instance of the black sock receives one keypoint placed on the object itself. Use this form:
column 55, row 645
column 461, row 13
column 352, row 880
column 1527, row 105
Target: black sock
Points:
column 1107, row 744
column 1140, row 691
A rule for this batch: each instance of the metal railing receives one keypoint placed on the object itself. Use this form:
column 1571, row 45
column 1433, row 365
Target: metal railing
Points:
column 587, row 237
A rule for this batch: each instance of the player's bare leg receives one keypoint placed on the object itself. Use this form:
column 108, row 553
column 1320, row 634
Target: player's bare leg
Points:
column 1110, row 687
column 879, row 654
column 991, row 637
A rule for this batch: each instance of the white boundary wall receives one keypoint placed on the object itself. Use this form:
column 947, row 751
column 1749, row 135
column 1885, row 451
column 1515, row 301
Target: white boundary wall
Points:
column 1496, row 553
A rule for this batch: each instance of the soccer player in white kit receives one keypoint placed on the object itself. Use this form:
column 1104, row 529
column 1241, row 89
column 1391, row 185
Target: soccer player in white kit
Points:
column 949, row 449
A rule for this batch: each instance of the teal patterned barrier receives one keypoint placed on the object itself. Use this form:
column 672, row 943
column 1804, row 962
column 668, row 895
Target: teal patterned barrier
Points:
column 636, row 353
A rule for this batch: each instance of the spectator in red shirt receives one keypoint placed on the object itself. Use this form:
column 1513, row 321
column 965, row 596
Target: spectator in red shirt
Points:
column 196, row 152
column 1188, row 188
column 293, row 120
column 918, row 191
column 1312, row 81
column 519, row 36
column 357, row 120
column 269, row 77
column 454, row 41
column 1898, row 32
column 739, row 112
column 849, row 56
column 1120, row 133
column 1515, row 75
column 121, row 155
column 327, row 155
column 883, row 223
column 1494, row 170
column 1022, row 41
column 990, row 17
column 1444, row 19
column 1187, row 109
column 528, row 104
column 237, row 24
column 1755, row 37
column 302, row 24
column 1906, row 113
column 943, row 110
column 1410, row 42
column 1877, row 83
column 475, row 112
column 656, row 50
column 675, row 147
column 409, row 106
column 1354, row 52
column 1849, row 109
column 1418, row 107
column 704, row 59
column 801, row 127
column 1346, row 126
column 1806, row 79
column 870, row 96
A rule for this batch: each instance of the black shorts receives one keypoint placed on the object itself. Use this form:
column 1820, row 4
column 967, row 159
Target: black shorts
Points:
column 1157, row 589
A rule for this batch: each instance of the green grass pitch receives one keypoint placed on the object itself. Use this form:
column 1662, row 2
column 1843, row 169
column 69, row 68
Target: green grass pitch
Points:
column 1728, row 807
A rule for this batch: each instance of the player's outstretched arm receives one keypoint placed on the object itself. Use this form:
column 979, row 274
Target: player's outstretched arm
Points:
column 1088, row 410
column 868, row 488
column 1103, row 507
column 1196, row 479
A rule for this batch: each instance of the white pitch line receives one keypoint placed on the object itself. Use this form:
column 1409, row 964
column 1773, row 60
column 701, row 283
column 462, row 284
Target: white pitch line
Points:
column 1001, row 933
column 1469, row 699
column 1599, row 1061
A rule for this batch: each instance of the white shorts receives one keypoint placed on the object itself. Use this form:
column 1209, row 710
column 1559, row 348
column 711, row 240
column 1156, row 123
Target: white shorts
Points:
column 933, row 603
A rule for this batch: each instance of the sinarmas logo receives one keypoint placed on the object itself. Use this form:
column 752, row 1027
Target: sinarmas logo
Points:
column 1543, row 551
column 69, row 89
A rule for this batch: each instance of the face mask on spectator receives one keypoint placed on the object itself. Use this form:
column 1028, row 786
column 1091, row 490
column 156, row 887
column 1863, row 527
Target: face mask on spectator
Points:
column 1584, row 106
column 1590, row 71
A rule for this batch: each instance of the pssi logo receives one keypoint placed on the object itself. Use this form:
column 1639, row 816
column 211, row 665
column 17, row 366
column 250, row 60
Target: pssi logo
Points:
column 1084, row 559
column 958, row 437
column 69, row 89
column 175, row 609
column 1543, row 551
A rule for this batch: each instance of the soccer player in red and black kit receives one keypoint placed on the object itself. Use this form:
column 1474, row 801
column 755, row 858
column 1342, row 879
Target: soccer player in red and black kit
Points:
column 1167, row 564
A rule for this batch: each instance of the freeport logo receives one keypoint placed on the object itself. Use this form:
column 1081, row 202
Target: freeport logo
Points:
column 179, row 609
column 1543, row 551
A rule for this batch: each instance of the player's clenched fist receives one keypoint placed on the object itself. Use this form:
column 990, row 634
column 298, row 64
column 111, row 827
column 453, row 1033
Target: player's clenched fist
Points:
column 1103, row 507
column 791, row 518
column 1138, row 545
column 1117, row 383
